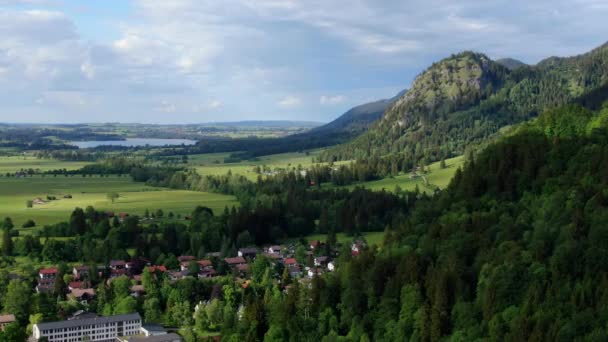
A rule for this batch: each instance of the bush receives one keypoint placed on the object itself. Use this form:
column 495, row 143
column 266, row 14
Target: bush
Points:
column 29, row 224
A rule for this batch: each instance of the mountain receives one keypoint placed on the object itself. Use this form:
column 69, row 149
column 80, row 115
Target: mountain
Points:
column 510, row 63
column 467, row 98
column 358, row 119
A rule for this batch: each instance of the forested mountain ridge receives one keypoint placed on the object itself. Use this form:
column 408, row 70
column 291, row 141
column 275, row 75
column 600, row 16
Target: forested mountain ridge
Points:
column 466, row 98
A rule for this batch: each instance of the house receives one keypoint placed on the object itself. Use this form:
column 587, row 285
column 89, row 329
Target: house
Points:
column 205, row 264
column 80, row 272
column 75, row 285
column 314, row 244
column 6, row 320
column 38, row 201
column 96, row 329
column 45, row 286
column 157, row 268
column 290, row 262
column 248, row 252
column 243, row 269
column 206, row 273
column 321, row 261
column 172, row 337
column 177, row 275
column 312, row 271
column 275, row 249
column 153, row 330
column 295, row 271
column 233, row 262
column 48, row 273
column 273, row 257
column 137, row 291
column 185, row 258
column 83, row 296
column 184, row 265
column 118, row 264
column 123, row 216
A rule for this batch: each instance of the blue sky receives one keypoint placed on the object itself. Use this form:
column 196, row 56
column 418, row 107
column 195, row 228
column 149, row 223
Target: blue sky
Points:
column 190, row 61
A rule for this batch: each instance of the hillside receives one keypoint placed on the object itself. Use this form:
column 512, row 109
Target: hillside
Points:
column 466, row 98
column 510, row 63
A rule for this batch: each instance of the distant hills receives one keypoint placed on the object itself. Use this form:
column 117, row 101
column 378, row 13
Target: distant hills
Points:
column 264, row 124
column 466, row 98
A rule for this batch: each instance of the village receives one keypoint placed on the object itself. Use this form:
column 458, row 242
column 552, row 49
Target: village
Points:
column 80, row 282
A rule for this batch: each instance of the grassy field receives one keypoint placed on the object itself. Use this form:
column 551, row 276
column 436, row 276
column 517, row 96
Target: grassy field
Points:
column 15, row 163
column 134, row 197
column 213, row 164
column 437, row 177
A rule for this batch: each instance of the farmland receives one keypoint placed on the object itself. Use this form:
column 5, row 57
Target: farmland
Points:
column 17, row 163
column 133, row 198
column 436, row 178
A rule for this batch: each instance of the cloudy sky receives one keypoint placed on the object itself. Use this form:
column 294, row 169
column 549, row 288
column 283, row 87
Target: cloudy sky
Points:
column 189, row 61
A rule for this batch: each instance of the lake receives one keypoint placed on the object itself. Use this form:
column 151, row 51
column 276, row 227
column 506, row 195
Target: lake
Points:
column 132, row 142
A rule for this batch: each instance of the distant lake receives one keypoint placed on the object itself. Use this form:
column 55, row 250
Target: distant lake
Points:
column 132, row 142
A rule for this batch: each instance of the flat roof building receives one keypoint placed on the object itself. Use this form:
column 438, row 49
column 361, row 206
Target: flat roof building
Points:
column 98, row 329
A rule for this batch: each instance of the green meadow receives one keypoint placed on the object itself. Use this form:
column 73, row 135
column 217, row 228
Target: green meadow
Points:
column 134, row 198
column 13, row 164
column 435, row 178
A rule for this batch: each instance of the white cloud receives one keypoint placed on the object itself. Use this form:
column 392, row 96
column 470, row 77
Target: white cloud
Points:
column 257, row 52
column 331, row 100
column 215, row 104
column 290, row 101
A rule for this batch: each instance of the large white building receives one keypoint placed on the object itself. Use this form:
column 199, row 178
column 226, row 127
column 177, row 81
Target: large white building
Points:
column 98, row 329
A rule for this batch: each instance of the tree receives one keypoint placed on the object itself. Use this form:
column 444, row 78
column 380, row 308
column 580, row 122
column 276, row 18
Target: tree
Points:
column 29, row 204
column 7, row 242
column 13, row 332
column 17, row 299
column 152, row 310
column 112, row 196
column 126, row 305
column 78, row 222
column 8, row 223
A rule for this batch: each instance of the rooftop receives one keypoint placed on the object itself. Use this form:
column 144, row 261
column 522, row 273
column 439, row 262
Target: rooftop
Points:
column 88, row 321
column 7, row 319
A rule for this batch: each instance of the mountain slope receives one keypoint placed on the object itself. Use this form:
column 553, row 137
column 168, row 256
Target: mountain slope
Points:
column 510, row 63
column 466, row 98
column 358, row 119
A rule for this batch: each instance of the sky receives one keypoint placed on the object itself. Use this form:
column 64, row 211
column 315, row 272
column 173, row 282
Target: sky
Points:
column 194, row 61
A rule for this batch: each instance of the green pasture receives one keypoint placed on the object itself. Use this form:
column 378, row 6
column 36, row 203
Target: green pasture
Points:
column 13, row 164
column 134, row 198
column 436, row 178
